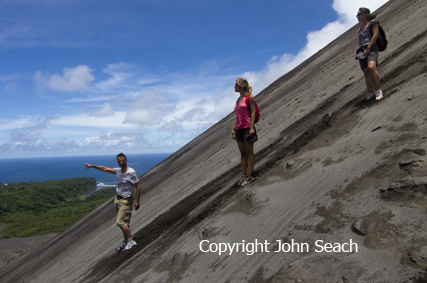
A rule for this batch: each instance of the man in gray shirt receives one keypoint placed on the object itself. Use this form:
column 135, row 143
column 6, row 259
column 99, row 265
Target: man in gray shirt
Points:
column 127, row 180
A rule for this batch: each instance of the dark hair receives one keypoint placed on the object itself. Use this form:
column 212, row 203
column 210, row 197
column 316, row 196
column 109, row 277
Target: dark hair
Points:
column 367, row 12
column 121, row 154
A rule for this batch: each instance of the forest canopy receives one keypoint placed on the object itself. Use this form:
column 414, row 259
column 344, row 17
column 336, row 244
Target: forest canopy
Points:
column 36, row 208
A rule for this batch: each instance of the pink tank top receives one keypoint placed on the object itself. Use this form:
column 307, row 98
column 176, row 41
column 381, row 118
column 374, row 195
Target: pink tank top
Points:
column 243, row 118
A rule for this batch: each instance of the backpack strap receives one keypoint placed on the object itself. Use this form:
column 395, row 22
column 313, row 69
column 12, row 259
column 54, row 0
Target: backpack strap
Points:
column 248, row 104
column 371, row 26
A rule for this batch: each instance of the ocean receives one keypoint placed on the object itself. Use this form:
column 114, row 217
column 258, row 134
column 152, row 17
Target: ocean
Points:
column 54, row 168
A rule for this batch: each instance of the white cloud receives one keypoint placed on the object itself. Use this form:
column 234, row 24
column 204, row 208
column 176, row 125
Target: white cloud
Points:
column 82, row 120
column 149, row 109
column 120, row 136
column 31, row 131
column 120, row 75
column 92, row 99
column 106, row 110
column 347, row 9
column 172, row 127
column 76, row 79
column 6, row 124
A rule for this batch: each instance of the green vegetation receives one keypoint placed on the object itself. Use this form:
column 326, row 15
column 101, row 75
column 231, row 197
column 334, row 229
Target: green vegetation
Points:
column 36, row 208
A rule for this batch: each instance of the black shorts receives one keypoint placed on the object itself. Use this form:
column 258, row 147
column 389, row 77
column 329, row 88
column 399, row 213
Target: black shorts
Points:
column 241, row 134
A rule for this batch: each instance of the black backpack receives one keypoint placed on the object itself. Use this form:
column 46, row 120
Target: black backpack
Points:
column 381, row 40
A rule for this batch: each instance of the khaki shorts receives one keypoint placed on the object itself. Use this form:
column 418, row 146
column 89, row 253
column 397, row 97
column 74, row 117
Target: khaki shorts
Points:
column 124, row 210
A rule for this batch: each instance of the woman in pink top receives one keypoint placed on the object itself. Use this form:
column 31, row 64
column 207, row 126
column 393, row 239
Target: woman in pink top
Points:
column 244, row 128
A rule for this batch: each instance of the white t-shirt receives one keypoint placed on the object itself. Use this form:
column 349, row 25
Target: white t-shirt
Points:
column 125, row 182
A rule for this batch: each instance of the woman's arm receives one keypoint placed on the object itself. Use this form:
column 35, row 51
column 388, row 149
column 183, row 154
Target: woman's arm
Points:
column 252, row 105
column 232, row 131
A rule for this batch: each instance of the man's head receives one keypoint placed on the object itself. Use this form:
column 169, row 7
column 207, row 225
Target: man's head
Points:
column 121, row 160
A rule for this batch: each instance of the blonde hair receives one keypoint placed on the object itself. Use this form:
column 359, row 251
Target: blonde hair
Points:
column 245, row 84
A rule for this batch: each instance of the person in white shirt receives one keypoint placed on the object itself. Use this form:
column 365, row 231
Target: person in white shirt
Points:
column 127, row 181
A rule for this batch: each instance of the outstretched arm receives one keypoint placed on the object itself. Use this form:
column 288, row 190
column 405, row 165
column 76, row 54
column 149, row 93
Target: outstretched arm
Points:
column 100, row 168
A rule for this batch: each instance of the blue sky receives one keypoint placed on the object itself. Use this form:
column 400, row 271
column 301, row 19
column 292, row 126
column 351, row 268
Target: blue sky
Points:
column 99, row 77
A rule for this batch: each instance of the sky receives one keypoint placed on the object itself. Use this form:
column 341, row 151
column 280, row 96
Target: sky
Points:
column 92, row 77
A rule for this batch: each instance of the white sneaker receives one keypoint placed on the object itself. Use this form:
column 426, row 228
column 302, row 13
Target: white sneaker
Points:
column 129, row 245
column 369, row 96
column 122, row 246
column 241, row 181
column 250, row 180
column 379, row 94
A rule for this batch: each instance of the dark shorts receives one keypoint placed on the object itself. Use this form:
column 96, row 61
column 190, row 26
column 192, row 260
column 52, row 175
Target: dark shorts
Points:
column 241, row 134
column 373, row 56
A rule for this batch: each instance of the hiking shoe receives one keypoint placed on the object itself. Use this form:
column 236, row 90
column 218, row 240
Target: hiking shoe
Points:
column 129, row 245
column 379, row 94
column 241, row 181
column 370, row 95
column 122, row 246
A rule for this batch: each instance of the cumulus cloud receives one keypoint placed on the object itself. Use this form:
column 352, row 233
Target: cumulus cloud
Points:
column 76, row 79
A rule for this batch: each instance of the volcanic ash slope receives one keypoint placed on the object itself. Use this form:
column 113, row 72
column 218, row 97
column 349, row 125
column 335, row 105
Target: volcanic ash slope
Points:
column 340, row 194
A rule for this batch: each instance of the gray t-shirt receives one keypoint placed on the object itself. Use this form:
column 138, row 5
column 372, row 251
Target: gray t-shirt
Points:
column 125, row 182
